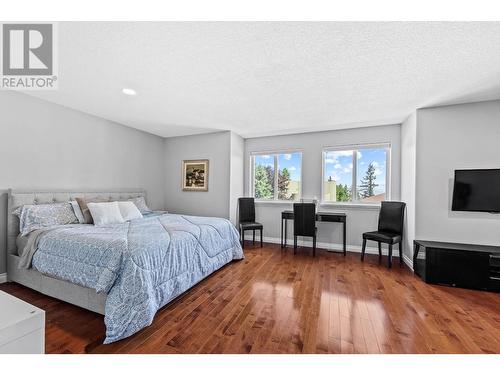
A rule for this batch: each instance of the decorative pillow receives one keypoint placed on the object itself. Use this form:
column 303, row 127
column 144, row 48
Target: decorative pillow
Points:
column 82, row 202
column 140, row 202
column 78, row 211
column 105, row 213
column 129, row 211
column 38, row 216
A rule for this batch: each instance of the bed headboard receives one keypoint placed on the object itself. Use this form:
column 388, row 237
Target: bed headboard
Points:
column 21, row 197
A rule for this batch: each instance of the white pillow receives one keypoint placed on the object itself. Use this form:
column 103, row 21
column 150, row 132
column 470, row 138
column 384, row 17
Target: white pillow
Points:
column 129, row 211
column 105, row 213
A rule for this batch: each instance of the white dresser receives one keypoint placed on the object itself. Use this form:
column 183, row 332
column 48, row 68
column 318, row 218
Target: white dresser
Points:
column 22, row 326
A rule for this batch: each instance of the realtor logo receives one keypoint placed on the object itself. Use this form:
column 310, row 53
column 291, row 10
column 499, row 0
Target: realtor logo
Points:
column 28, row 56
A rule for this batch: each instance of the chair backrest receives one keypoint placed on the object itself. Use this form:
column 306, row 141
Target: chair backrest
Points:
column 391, row 217
column 246, row 210
column 304, row 219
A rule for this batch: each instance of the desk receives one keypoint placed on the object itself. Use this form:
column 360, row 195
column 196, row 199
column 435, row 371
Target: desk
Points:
column 329, row 217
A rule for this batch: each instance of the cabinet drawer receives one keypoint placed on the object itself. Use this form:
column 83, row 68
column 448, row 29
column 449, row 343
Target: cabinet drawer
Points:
column 32, row 343
column 494, row 284
column 459, row 268
column 495, row 261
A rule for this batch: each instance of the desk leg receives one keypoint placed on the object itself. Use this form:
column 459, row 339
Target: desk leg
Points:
column 281, row 232
column 345, row 231
column 416, row 249
column 286, row 227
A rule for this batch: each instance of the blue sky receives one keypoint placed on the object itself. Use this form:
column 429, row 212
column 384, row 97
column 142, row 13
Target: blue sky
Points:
column 338, row 164
column 290, row 161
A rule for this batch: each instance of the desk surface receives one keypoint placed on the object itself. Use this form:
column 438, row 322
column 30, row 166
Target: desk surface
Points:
column 319, row 213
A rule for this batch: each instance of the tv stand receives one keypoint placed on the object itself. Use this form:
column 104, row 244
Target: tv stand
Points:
column 455, row 264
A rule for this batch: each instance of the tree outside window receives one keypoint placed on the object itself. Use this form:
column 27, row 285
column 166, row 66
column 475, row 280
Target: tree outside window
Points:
column 281, row 170
column 355, row 175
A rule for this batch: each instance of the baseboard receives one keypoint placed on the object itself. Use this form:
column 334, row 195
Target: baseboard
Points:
column 335, row 247
column 408, row 262
column 3, row 278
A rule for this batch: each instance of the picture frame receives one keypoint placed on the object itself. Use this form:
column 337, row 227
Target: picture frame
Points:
column 195, row 175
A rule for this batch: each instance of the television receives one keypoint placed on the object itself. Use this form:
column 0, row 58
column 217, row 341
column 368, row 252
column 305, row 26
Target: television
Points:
column 476, row 190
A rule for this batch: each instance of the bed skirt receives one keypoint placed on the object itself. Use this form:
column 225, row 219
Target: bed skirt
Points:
column 60, row 289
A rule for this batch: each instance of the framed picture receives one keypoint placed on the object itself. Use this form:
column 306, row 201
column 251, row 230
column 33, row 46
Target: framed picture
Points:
column 195, row 175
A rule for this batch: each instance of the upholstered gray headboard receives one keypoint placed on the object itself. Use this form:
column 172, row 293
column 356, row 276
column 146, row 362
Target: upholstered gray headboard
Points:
column 21, row 197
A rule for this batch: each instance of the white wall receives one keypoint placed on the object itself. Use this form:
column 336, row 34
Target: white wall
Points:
column 216, row 147
column 44, row 145
column 408, row 168
column 449, row 138
column 359, row 220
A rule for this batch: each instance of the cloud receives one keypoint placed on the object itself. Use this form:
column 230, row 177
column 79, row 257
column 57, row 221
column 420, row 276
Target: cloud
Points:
column 347, row 170
column 292, row 168
column 332, row 157
column 266, row 156
column 378, row 172
column 287, row 156
column 337, row 166
column 375, row 164
column 360, row 155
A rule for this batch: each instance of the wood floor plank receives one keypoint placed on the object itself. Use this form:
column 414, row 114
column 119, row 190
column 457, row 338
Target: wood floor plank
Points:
column 277, row 302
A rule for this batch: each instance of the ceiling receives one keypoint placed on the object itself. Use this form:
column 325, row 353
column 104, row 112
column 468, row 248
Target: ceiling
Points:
column 258, row 78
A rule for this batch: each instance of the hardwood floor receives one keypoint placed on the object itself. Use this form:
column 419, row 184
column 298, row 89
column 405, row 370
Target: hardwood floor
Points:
column 275, row 302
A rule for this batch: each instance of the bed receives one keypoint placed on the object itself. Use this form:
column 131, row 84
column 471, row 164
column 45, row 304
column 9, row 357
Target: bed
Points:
column 126, row 271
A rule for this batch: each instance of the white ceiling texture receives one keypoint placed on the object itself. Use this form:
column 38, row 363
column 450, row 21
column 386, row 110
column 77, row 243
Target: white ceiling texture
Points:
column 269, row 78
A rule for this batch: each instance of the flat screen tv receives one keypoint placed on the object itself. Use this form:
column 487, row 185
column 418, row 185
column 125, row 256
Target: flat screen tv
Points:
column 476, row 190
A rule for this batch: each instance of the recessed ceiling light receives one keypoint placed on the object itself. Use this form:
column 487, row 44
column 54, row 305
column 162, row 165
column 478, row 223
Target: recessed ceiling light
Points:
column 130, row 92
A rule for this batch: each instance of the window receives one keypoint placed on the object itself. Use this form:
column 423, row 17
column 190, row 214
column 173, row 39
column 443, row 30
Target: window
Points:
column 277, row 176
column 359, row 175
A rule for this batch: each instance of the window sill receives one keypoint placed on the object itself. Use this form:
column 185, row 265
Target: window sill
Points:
column 274, row 202
column 358, row 206
column 327, row 205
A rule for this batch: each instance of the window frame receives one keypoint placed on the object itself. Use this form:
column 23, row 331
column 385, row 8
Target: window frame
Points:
column 355, row 148
column 275, row 155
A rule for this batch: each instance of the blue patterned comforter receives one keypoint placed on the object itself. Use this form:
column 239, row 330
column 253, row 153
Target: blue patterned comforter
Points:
column 142, row 265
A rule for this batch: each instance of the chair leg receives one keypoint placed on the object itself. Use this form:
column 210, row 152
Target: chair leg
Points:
column 294, row 244
column 253, row 240
column 261, row 241
column 363, row 249
column 400, row 254
column 379, row 252
column 242, row 239
column 390, row 256
column 314, row 246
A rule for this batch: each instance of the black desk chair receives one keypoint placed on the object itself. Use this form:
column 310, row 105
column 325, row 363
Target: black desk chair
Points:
column 304, row 223
column 390, row 230
column 247, row 219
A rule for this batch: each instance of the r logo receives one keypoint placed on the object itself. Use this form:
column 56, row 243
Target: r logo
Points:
column 27, row 49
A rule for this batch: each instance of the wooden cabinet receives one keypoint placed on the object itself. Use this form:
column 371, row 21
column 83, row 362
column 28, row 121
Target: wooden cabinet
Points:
column 462, row 265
